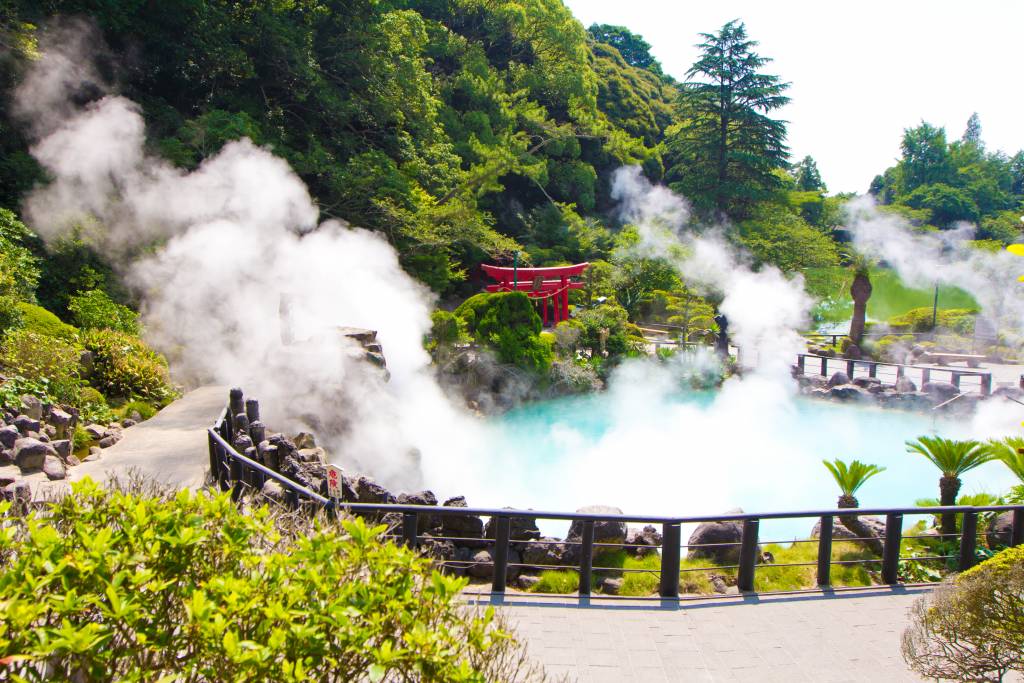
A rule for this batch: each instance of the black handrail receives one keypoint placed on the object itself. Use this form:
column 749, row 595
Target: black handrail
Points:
column 235, row 471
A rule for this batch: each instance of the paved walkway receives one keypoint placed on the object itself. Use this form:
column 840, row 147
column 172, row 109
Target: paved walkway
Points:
column 171, row 447
column 844, row 636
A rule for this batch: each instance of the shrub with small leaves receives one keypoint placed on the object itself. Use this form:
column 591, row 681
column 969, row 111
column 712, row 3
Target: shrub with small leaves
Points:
column 41, row 321
column 125, row 367
column 112, row 585
column 47, row 361
column 95, row 310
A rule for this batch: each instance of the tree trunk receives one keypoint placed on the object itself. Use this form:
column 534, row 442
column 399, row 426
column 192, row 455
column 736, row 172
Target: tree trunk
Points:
column 949, row 487
column 860, row 290
column 853, row 523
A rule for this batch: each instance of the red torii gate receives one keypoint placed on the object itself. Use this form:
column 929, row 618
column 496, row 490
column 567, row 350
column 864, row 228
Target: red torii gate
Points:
column 540, row 284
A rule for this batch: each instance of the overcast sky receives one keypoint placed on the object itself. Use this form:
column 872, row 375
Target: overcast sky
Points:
column 860, row 72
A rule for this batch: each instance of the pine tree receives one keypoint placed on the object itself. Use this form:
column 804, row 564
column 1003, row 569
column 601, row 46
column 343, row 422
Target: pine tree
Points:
column 972, row 133
column 808, row 178
column 725, row 153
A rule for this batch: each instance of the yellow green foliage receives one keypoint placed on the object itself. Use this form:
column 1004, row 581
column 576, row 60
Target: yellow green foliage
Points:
column 47, row 361
column 123, row 366
column 41, row 321
column 920, row 320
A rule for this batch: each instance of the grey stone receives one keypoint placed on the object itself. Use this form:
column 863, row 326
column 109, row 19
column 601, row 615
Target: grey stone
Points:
column 604, row 531
column 875, row 525
column 26, row 424
column 6, row 456
column 943, row 391
column 95, row 431
column 18, row 492
column 29, row 454
column 1000, row 530
column 866, row 382
column 109, row 440
column 315, row 454
column 722, row 540
column 274, row 491
column 304, row 440
column 549, row 552
column 135, row 416
column 63, row 448
column 644, row 541
column 848, row 392
column 527, row 581
column 130, row 423
column 520, row 528
column 72, row 461
column 462, row 526
column 369, row 491
column 838, row 378
column 905, row 385
column 53, row 468
column 424, row 521
column 8, row 435
column 484, row 565
column 611, row 585
column 32, row 407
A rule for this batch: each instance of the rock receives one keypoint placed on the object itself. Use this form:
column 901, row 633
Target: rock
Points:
column 53, row 468
column 484, row 565
column 848, row 392
column 941, row 391
column 135, row 416
column 6, row 457
column 109, row 440
column 304, row 440
column 8, row 435
column 425, row 521
column 441, row 552
column 95, row 431
column 520, row 528
column 838, row 378
column 812, row 381
column 63, row 448
column 369, row 491
column 29, row 454
column 718, row 584
column 549, row 552
column 18, row 492
column 130, row 423
column 876, row 525
column 644, row 541
column 116, row 426
column 32, row 407
column 604, row 532
column 527, row 581
column 462, row 526
column 274, row 491
column 42, row 436
column 853, row 352
column 95, row 450
column 49, row 431
column 1008, row 390
column 315, row 454
column 866, row 382
column 86, row 361
column 611, row 585
column 1000, row 530
column 26, row 424
column 72, row 461
column 723, row 541
column 905, row 385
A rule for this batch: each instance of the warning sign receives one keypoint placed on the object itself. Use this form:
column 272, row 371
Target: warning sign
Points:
column 334, row 481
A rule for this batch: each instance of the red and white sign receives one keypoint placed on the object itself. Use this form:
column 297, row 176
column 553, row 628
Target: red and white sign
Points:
column 334, row 481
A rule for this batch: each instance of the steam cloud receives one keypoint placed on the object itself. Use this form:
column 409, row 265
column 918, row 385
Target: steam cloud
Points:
column 240, row 231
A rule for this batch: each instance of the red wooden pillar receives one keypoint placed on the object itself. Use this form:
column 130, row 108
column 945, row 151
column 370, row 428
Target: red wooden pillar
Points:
column 556, row 309
column 565, row 298
column 544, row 305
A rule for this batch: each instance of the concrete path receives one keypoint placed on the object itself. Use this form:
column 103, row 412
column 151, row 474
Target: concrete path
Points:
column 171, row 447
column 844, row 636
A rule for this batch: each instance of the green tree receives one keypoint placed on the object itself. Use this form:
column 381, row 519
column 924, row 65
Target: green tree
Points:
column 925, row 157
column 808, row 178
column 953, row 458
column 972, row 132
column 633, row 48
column 850, row 477
column 1010, row 452
column 94, row 309
column 725, row 152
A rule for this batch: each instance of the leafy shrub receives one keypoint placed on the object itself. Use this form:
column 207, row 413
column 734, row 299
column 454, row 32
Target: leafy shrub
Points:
column 19, row 269
column 81, row 440
column 11, row 317
column 972, row 628
column 113, row 585
column 49, row 361
column 125, row 367
column 94, row 309
column 13, row 388
column 508, row 323
column 920, row 320
column 38, row 319
column 145, row 410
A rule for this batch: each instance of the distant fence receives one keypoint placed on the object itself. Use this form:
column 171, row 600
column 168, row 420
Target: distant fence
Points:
column 239, row 473
column 978, row 380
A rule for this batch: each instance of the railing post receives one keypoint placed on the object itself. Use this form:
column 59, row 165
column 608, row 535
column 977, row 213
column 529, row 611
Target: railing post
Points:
column 851, row 367
column 1017, row 530
column 968, row 539
column 900, row 371
column 954, row 378
column 236, row 479
column 586, row 556
column 800, row 362
column 410, row 521
column 748, row 555
column 211, row 443
column 671, row 537
column 891, row 549
column 873, row 370
column 986, row 384
column 825, row 551
column 500, row 557
column 824, row 367
column 926, row 376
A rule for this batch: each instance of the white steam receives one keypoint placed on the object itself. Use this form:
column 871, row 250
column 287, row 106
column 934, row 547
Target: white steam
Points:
column 765, row 308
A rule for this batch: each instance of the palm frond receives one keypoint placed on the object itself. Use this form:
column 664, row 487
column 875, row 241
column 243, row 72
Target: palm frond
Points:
column 951, row 456
column 1010, row 451
column 851, row 477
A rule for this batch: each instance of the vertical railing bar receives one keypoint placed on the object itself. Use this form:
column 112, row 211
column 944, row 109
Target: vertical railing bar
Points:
column 410, row 522
column 968, row 539
column 671, row 537
column 748, row 555
column 586, row 556
column 825, row 552
column 1017, row 530
column 501, row 539
column 891, row 548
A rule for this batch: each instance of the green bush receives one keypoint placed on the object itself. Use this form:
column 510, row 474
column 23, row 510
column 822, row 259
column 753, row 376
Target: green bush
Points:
column 112, row 585
column 11, row 317
column 145, row 410
column 19, row 269
column 959, row 320
column 38, row 319
column 123, row 366
column 49, row 361
column 94, row 309
column 971, row 629
column 13, row 388
column 508, row 323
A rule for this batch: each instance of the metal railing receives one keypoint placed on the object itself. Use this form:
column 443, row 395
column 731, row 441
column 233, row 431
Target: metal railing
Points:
column 894, row 371
column 424, row 526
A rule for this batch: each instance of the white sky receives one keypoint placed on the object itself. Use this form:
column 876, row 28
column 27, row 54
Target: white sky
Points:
column 860, row 72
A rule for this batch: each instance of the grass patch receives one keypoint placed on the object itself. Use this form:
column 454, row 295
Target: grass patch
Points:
column 145, row 410
column 557, row 581
column 774, row 578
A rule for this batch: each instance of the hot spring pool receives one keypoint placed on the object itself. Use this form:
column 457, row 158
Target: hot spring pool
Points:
column 649, row 448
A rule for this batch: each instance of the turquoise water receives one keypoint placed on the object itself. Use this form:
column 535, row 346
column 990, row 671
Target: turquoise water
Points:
column 650, row 448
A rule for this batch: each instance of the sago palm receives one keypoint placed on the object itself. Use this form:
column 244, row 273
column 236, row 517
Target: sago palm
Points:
column 1009, row 451
column 850, row 478
column 953, row 458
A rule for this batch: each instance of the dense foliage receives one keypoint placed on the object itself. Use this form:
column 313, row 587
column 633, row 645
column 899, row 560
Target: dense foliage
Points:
column 507, row 323
column 104, row 585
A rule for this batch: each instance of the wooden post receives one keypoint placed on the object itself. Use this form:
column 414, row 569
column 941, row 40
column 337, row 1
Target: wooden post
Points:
column 851, row 368
column 801, row 360
column 670, row 540
column 926, row 376
column 891, row 549
column 873, row 370
column 252, row 410
column 824, row 366
column 825, row 552
column 748, row 555
column 986, row 384
column 500, row 555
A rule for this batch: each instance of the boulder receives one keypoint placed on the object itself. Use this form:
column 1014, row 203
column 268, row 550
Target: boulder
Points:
column 876, row 525
column 26, row 424
column 369, row 491
column 1000, row 530
column 547, row 553
column 462, row 526
column 838, row 378
column 1009, row 391
column 866, row 382
column 441, row 552
column 285, row 446
column 520, row 528
column 604, row 531
column 274, row 491
column 129, row 422
column 63, row 448
column 610, row 585
column 109, row 440
column 53, row 468
column 527, row 581
column 483, row 567
column 32, row 407
column 644, row 541
column 315, row 454
column 848, row 392
column 940, row 391
column 722, row 540
column 95, row 431
column 425, row 521
column 72, row 461
column 8, row 435
column 905, row 385
column 6, row 457
column 304, row 440
column 18, row 492
column 853, row 352
column 29, row 454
